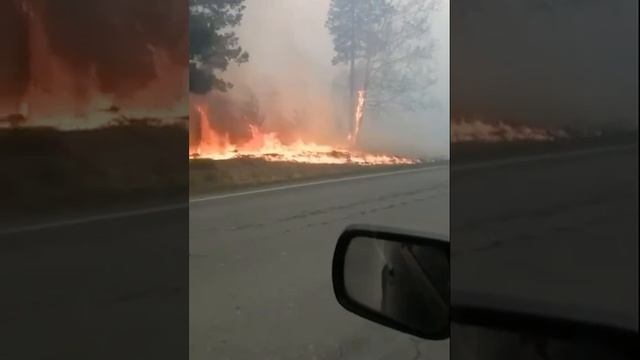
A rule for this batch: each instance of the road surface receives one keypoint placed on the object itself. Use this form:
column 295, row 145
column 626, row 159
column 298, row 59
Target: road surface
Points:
column 102, row 287
column 259, row 264
column 555, row 235
column 260, row 268
column 529, row 226
column 560, row 231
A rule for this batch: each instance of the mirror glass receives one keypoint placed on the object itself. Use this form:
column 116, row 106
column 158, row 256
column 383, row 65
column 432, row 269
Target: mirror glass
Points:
column 405, row 283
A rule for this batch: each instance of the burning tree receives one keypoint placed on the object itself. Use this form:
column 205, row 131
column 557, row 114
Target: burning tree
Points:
column 347, row 22
column 213, row 45
column 387, row 47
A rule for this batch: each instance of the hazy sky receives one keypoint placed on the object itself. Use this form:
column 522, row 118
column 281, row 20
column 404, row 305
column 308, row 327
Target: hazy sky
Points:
column 290, row 50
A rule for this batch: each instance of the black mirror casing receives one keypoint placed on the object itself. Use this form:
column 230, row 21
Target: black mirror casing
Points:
column 426, row 240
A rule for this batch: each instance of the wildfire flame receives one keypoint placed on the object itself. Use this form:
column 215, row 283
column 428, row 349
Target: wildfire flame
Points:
column 59, row 82
column 267, row 146
column 357, row 120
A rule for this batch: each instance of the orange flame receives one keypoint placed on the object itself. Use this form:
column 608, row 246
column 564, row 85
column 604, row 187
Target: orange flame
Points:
column 267, row 146
column 55, row 92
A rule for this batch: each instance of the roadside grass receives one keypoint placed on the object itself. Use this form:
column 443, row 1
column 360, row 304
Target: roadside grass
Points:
column 212, row 176
column 469, row 152
column 46, row 171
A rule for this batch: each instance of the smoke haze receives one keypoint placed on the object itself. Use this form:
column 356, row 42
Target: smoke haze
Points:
column 547, row 63
column 291, row 75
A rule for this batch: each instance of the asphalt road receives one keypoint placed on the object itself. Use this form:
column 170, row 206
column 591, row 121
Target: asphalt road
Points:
column 260, row 268
column 110, row 287
column 557, row 231
column 553, row 235
column 556, row 235
column 259, row 264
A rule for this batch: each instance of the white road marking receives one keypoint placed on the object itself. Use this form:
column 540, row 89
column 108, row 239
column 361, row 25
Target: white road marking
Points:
column 312, row 183
column 145, row 211
column 89, row 219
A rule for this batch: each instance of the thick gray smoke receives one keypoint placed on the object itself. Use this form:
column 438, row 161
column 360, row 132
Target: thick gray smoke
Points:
column 291, row 74
column 549, row 63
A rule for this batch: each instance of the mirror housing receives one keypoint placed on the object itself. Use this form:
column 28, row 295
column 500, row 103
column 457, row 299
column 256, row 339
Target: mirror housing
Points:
column 410, row 274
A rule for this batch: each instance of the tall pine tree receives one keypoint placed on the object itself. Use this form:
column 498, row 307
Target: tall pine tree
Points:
column 345, row 22
column 387, row 43
column 356, row 27
column 213, row 43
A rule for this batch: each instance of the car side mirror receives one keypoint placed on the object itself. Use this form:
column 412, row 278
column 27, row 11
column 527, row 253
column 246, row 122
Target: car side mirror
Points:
column 395, row 278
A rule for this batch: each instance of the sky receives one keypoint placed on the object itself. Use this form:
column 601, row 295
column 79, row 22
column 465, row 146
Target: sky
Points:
column 290, row 51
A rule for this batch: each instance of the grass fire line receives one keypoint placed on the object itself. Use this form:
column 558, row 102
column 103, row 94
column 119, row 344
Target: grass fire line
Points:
column 215, row 145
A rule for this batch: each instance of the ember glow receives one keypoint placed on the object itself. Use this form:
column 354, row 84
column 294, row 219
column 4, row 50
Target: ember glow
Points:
column 268, row 146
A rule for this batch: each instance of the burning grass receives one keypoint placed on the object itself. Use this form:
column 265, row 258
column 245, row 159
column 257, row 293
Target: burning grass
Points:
column 308, row 153
column 268, row 146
